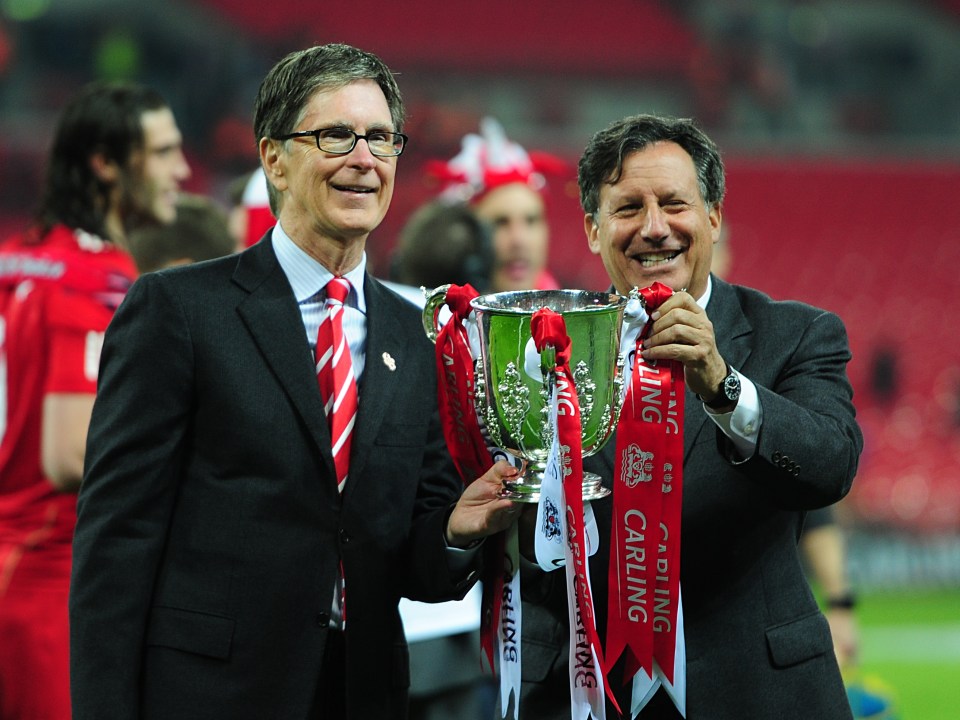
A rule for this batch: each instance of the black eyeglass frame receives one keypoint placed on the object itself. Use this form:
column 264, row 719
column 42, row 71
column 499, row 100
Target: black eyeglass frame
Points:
column 357, row 137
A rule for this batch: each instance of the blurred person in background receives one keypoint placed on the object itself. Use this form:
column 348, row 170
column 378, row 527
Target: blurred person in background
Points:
column 769, row 432
column 200, row 232
column 504, row 184
column 116, row 162
column 241, row 543
column 444, row 242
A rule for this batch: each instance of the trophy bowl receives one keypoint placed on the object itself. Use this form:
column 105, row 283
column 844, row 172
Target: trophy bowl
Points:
column 514, row 383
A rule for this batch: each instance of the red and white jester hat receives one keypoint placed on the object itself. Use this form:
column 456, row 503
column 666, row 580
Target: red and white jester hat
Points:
column 489, row 160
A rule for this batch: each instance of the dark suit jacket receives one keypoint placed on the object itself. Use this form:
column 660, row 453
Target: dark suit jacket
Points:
column 210, row 528
column 757, row 645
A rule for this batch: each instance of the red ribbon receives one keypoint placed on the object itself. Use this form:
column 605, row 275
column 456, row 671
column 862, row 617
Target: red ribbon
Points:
column 456, row 389
column 461, row 429
column 644, row 574
column 549, row 330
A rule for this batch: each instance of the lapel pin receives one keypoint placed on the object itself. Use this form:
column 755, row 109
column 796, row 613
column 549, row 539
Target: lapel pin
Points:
column 389, row 361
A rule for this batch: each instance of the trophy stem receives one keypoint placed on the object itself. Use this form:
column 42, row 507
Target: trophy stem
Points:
column 526, row 488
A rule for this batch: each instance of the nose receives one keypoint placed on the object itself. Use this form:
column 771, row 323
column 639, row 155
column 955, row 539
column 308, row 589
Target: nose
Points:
column 512, row 232
column 361, row 155
column 182, row 167
column 655, row 226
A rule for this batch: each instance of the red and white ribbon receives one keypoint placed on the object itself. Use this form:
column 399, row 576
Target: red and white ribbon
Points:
column 587, row 677
column 645, row 620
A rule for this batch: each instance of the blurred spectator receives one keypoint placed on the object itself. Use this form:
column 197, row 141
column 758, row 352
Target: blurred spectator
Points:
column 200, row 232
column 116, row 161
column 824, row 551
column 884, row 374
column 442, row 243
column 504, row 185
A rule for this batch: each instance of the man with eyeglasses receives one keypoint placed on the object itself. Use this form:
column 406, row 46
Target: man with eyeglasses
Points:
column 228, row 563
column 115, row 162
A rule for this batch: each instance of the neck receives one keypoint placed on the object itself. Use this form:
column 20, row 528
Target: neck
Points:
column 116, row 233
column 337, row 256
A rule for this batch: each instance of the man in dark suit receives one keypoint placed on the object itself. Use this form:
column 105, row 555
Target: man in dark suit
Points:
column 769, row 433
column 220, row 571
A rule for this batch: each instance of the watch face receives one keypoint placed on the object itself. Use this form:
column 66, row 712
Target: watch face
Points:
column 731, row 387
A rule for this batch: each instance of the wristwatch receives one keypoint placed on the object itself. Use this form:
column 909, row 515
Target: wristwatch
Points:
column 729, row 392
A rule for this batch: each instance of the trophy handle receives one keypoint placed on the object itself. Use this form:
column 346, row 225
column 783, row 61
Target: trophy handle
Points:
column 434, row 301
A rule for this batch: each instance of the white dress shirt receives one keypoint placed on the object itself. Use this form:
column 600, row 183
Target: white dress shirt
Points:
column 309, row 278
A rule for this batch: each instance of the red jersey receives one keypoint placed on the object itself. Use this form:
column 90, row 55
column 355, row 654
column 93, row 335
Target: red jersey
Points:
column 56, row 300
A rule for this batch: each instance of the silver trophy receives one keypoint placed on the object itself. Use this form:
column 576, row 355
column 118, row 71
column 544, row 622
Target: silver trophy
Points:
column 514, row 382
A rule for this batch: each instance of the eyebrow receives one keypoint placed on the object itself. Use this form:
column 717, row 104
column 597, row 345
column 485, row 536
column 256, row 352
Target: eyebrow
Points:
column 165, row 147
column 376, row 125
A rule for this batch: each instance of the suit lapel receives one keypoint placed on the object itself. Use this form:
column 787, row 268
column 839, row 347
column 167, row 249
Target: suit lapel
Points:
column 733, row 332
column 271, row 315
column 386, row 348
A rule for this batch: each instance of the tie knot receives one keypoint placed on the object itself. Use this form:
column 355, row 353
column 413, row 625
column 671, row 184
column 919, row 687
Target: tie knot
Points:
column 338, row 289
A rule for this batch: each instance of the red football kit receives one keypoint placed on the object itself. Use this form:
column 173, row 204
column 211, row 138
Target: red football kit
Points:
column 56, row 299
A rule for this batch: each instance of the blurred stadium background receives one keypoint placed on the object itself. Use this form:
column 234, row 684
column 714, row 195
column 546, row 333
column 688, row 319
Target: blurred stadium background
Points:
column 840, row 125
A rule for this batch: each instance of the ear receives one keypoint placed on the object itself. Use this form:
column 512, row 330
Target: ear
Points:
column 716, row 222
column 593, row 234
column 106, row 171
column 272, row 159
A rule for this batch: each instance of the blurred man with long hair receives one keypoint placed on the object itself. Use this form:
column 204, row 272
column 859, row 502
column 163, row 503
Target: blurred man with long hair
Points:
column 116, row 162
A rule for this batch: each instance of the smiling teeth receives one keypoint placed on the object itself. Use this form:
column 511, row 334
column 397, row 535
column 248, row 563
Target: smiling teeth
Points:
column 657, row 258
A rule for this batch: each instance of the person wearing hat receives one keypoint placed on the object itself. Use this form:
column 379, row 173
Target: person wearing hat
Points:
column 504, row 184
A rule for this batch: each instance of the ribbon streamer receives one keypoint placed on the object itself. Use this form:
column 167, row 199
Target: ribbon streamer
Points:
column 588, row 683
column 456, row 391
column 644, row 608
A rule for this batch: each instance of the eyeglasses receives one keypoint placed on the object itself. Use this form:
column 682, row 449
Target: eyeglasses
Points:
column 341, row 140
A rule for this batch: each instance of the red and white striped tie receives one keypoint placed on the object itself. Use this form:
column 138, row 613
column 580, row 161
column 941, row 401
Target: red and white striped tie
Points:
column 338, row 387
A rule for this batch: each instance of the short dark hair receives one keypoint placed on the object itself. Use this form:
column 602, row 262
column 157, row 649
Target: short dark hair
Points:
column 105, row 118
column 285, row 91
column 602, row 161
column 200, row 232
column 442, row 243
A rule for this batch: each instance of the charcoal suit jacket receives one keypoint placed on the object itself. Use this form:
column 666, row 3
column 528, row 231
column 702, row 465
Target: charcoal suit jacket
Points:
column 757, row 646
column 210, row 528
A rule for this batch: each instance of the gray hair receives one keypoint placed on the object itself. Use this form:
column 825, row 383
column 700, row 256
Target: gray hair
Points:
column 602, row 161
column 285, row 91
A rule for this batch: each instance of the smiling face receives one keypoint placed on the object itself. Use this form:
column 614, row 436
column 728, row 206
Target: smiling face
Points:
column 518, row 218
column 652, row 224
column 333, row 200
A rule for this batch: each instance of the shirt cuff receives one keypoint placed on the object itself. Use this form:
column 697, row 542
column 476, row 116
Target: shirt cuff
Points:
column 742, row 425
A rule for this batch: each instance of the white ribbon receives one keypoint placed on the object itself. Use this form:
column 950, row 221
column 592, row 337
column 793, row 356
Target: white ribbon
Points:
column 549, row 538
column 553, row 551
column 508, row 630
column 644, row 686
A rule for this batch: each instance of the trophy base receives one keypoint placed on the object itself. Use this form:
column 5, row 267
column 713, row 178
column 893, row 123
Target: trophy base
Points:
column 526, row 489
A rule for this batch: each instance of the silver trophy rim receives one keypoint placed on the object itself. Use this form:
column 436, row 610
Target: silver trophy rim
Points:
column 505, row 302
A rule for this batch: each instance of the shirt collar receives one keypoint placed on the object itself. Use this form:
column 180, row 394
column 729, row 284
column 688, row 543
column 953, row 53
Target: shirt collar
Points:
column 705, row 298
column 307, row 276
